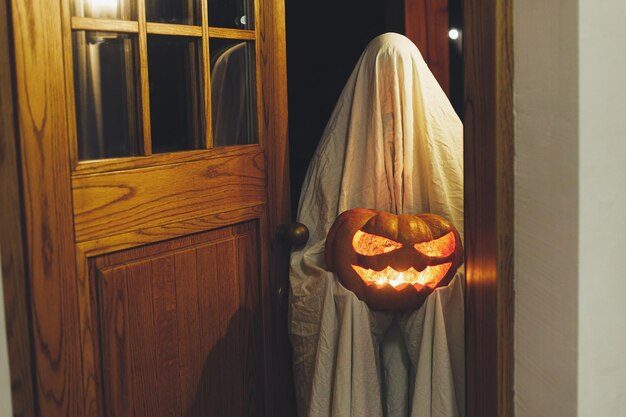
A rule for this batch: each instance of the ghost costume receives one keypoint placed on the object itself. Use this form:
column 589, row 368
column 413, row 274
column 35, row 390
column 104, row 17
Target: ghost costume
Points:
column 393, row 143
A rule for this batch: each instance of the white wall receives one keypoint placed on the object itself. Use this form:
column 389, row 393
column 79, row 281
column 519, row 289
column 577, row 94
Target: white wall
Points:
column 5, row 386
column 602, row 206
column 570, row 179
column 546, row 212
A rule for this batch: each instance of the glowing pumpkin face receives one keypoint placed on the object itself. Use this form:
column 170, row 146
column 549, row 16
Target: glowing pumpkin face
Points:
column 393, row 262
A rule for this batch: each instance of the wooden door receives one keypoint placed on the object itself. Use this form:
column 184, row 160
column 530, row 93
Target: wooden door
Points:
column 153, row 275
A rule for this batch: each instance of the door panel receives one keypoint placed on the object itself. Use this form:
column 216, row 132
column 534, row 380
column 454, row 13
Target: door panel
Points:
column 118, row 202
column 181, row 325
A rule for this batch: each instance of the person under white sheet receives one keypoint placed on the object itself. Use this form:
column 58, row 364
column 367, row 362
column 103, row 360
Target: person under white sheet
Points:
column 393, row 143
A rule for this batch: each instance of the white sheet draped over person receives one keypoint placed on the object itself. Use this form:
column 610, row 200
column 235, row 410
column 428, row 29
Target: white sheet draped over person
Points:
column 393, row 143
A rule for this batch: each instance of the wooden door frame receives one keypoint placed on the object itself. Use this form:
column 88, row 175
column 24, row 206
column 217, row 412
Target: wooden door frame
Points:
column 11, row 235
column 34, row 212
column 488, row 154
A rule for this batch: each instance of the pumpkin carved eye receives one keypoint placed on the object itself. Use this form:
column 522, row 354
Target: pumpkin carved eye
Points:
column 444, row 246
column 369, row 244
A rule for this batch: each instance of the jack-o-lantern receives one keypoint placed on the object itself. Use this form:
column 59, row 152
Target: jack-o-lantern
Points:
column 393, row 262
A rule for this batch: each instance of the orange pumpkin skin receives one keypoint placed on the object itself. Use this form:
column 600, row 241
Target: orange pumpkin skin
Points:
column 392, row 262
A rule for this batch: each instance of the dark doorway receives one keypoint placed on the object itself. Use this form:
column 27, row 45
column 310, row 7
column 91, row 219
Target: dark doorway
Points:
column 324, row 41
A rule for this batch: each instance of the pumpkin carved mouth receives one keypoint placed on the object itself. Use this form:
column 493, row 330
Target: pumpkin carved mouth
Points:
column 429, row 277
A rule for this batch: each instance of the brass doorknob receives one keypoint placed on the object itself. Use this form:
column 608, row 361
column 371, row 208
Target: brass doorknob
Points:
column 294, row 234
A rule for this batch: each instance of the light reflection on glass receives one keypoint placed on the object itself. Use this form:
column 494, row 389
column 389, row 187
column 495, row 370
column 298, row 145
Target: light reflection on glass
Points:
column 233, row 94
column 104, row 9
column 237, row 14
column 106, row 91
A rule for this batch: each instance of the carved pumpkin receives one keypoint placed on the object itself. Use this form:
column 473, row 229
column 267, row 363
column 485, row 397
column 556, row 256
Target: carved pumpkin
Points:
column 393, row 262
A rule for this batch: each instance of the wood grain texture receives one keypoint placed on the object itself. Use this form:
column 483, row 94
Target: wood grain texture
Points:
column 68, row 56
column 232, row 33
column 168, row 231
column 191, row 230
column 12, row 256
column 273, row 121
column 191, row 353
column 42, row 118
column 106, row 25
column 181, row 327
column 426, row 24
column 489, row 208
column 174, row 30
column 206, row 73
column 164, row 314
column 224, row 186
column 119, row 164
column 88, row 334
column 118, row 374
column 252, row 363
column 505, row 131
column 228, row 306
column 146, row 128
column 259, row 76
column 116, row 203
column 143, row 342
column 209, row 335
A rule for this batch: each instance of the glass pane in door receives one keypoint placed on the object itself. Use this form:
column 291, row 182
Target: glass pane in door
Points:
column 105, row 9
column 185, row 12
column 238, row 14
column 176, row 105
column 233, row 94
column 106, row 93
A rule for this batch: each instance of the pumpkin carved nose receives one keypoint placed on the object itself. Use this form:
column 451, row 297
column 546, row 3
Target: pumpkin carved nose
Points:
column 399, row 259
column 404, row 260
